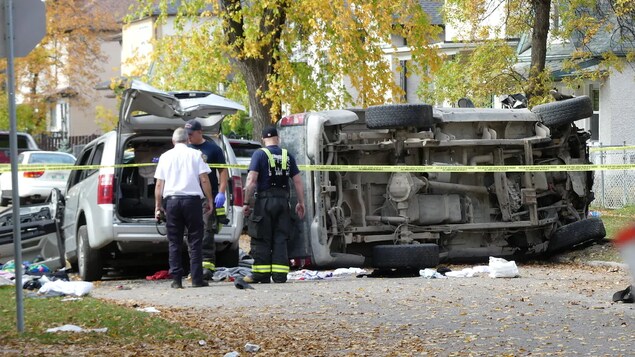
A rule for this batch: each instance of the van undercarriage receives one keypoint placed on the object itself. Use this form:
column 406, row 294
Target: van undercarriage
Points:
column 406, row 217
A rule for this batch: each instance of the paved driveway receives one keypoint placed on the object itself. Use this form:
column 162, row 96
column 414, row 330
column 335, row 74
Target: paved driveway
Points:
column 551, row 309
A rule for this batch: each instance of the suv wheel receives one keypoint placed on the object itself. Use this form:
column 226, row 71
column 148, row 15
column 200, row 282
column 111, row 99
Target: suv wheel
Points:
column 88, row 260
column 406, row 256
column 395, row 116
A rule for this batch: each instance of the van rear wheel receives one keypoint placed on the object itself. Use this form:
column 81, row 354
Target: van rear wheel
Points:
column 89, row 261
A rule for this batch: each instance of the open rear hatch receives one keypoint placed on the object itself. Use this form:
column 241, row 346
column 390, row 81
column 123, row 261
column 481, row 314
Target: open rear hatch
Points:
column 150, row 116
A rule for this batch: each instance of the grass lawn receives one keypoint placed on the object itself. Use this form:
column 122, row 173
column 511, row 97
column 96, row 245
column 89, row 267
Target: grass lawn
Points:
column 125, row 325
column 616, row 219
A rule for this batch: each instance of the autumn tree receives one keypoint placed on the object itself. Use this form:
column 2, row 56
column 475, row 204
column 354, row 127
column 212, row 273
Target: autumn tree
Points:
column 292, row 54
column 492, row 68
column 67, row 60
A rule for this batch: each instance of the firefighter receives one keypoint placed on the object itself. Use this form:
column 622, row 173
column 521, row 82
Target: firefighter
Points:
column 270, row 217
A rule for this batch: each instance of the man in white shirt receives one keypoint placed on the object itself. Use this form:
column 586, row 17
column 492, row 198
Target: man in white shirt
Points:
column 180, row 174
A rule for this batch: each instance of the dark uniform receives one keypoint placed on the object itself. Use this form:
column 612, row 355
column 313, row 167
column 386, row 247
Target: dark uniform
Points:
column 212, row 154
column 270, row 221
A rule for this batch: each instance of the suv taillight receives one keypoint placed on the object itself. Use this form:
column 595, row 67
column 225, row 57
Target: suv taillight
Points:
column 238, row 191
column 104, row 189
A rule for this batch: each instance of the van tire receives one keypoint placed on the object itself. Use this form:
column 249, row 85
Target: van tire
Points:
column 89, row 263
column 395, row 116
column 583, row 231
column 564, row 112
column 406, row 256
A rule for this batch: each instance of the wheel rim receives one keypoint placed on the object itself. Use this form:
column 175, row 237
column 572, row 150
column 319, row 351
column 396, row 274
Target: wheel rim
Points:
column 81, row 259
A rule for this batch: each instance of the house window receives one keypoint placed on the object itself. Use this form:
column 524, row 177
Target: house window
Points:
column 403, row 80
column 595, row 118
column 59, row 117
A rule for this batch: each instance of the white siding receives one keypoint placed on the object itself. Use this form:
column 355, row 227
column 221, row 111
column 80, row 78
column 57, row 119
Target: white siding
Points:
column 617, row 108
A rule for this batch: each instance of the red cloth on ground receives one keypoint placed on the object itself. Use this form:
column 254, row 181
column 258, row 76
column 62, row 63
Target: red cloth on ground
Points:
column 161, row 274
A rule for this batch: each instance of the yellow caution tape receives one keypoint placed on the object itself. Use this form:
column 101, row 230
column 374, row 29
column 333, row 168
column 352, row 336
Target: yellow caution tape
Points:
column 612, row 148
column 363, row 168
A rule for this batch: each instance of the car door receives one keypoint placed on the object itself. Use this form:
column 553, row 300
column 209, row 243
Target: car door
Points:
column 73, row 192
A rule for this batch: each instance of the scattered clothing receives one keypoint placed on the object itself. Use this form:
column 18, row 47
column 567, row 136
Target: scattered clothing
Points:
column 77, row 288
column 75, row 328
column 160, row 275
column 230, row 273
column 150, row 309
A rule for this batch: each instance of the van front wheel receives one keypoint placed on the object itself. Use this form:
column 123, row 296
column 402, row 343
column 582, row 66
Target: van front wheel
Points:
column 88, row 260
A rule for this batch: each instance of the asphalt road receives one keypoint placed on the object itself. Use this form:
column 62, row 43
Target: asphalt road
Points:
column 559, row 309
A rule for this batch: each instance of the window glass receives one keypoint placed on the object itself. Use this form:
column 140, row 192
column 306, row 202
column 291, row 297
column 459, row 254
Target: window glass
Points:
column 96, row 159
column 50, row 158
column 244, row 150
column 76, row 175
column 23, row 142
column 596, row 99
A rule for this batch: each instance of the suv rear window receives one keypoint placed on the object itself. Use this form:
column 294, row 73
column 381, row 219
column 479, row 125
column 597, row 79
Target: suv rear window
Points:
column 244, row 149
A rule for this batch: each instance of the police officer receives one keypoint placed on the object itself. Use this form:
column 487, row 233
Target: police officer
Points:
column 212, row 154
column 270, row 220
column 180, row 175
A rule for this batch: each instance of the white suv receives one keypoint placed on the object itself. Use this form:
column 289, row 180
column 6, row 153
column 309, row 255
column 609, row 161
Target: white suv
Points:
column 108, row 215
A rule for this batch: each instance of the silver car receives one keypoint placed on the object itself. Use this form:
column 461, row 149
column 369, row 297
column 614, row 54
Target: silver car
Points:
column 400, row 219
column 108, row 215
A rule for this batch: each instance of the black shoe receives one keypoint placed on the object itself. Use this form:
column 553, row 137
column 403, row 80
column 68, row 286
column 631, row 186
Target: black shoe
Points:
column 200, row 285
column 176, row 284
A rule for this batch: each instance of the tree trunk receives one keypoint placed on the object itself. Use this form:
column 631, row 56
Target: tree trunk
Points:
column 542, row 9
column 255, row 73
column 256, row 69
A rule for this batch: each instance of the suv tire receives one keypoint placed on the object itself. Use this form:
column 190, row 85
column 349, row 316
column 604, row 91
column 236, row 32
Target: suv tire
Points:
column 395, row 116
column 89, row 262
column 406, row 256
column 565, row 112
column 586, row 230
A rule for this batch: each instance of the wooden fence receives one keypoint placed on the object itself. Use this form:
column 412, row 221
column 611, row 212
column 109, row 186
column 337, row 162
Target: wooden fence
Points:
column 54, row 141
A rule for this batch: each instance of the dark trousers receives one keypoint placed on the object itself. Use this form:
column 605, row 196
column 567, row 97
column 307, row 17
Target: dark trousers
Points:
column 209, row 246
column 269, row 228
column 181, row 213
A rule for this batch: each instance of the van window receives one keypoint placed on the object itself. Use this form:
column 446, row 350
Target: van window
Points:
column 95, row 160
column 76, row 175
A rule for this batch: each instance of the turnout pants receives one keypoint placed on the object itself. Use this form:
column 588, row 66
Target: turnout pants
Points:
column 182, row 212
column 269, row 228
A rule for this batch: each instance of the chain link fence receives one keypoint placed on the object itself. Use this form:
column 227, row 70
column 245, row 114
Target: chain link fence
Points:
column 613, row 188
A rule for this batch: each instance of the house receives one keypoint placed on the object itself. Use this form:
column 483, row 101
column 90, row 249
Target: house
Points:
column 70, row 119
column 613, row 111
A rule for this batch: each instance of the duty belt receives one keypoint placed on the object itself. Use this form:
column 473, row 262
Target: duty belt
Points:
column 183, row 197
column 273, row 193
